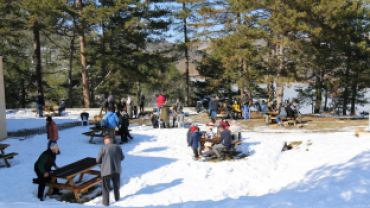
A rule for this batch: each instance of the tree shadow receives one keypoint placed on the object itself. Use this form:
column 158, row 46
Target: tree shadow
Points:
column 155, row 188
column 342, row 185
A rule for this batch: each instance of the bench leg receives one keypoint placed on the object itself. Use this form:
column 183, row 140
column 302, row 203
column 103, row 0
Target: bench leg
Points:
column 77, row 196
column 6, row 162
column 80, row 178
column 92, row 137
column 53, row 179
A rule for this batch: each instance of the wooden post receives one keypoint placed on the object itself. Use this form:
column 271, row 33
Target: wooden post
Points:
column 3, row 131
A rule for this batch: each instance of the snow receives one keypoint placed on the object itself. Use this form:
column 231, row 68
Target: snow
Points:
column 328, row 170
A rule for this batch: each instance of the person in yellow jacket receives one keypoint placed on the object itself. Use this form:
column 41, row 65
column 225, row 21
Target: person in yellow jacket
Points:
column 236, row 108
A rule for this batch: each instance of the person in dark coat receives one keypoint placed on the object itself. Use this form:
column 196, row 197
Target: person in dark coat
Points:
column 43, row 167
column 62, row 107
column 104, row 104
column 111, row 102
column 214, row 108
column 110, row 156
column 229, row 114
column 40, row 103
column 194, row 141
column 141, row 101
column 125, row 123
column 289, row 111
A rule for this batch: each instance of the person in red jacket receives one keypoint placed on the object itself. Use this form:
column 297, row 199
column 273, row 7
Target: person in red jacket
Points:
column 160, row 100
column 52, row 131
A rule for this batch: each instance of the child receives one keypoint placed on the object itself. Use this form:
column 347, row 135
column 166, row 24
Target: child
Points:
column 194, row 141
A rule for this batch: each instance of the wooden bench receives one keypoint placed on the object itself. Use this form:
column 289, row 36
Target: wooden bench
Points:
column 5, row 157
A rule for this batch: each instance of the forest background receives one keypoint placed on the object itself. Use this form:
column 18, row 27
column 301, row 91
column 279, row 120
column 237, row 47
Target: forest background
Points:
column 83, row 50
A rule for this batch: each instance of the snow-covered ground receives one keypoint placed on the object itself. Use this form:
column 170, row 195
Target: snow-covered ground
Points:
column 328, row 170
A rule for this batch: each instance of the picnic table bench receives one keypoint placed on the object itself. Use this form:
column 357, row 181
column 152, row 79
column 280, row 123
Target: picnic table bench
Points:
column 70, row 172
column 272, row 116
column 4, row 156
column 145, row 113
column 215, row 140
column 48, row 110
column 93, row 133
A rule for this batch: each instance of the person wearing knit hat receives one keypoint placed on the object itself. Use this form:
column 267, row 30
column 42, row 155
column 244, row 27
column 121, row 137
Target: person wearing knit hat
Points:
column 194, row 141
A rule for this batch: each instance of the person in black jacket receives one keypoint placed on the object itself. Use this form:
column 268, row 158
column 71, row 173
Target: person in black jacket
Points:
column 124, row 128
column 214, row 108
column 141, row 101
column 43, row 167
column 225, row 141
column 40, row 103
column 104, row 104
column 111, row 102
column 289, row 111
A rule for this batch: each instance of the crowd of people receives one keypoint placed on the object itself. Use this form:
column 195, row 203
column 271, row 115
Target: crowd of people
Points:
column 287, row 110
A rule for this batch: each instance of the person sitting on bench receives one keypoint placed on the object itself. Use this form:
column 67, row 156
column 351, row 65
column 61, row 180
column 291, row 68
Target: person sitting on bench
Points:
column 225, row 142
column 267, row 109
column 282, row 114
column 289, row 111
column 43, row 167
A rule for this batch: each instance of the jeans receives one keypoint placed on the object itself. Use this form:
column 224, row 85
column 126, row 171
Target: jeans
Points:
column 112, row 134
column 158, row 110
column 266, row 119
column 40, row 108
column 278, row 118
column 209, row 113
column 115, row 177
column 214, row 114
column 246, row 112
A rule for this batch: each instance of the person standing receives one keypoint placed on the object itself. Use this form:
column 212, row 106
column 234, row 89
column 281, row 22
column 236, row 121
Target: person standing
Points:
column 214, row 108
column 160, row 100
column 104, row 104
column 164, row 115
column 141, row 101
column 40, row 103
column 62, row 107
column 42, row 169
column 52, row 131
column 178, row 104
column 130, row 107
column 111, row 121
column 194, row 142
column 124, row 128
column 245, row 102
column 110, row 157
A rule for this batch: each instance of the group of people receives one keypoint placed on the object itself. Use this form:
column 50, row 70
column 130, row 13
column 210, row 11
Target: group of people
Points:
column 127, row 106
column 40, row 103
column 168, row 112
column 231, row 110
column 287, row 110
column 224, row 130
column 109, row 156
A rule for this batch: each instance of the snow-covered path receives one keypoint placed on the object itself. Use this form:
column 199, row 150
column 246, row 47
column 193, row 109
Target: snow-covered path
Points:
column 158, row 171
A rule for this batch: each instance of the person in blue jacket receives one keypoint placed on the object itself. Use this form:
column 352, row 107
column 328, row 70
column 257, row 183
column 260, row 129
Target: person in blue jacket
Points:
column 194, row 141
column 111, row 120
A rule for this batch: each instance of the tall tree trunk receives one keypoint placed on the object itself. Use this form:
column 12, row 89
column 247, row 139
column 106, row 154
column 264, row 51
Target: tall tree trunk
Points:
column 187, row 97
column 37, row 57
column 353, row 98
column 326, row 99
column 270, row 88
column 71, row 50
column 85, row 78
column 138, row 91
column 279, row 92
column 23, row 101
column 318, row 93
column 246, row 72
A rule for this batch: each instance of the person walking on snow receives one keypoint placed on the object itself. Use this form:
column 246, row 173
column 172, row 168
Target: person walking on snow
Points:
column 110, row 157
column 111, row 121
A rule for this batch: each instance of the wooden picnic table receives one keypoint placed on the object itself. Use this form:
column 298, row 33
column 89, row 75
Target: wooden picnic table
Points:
column 215, row 140
column 94, row 130
column 70, row 172
column 4, row 156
